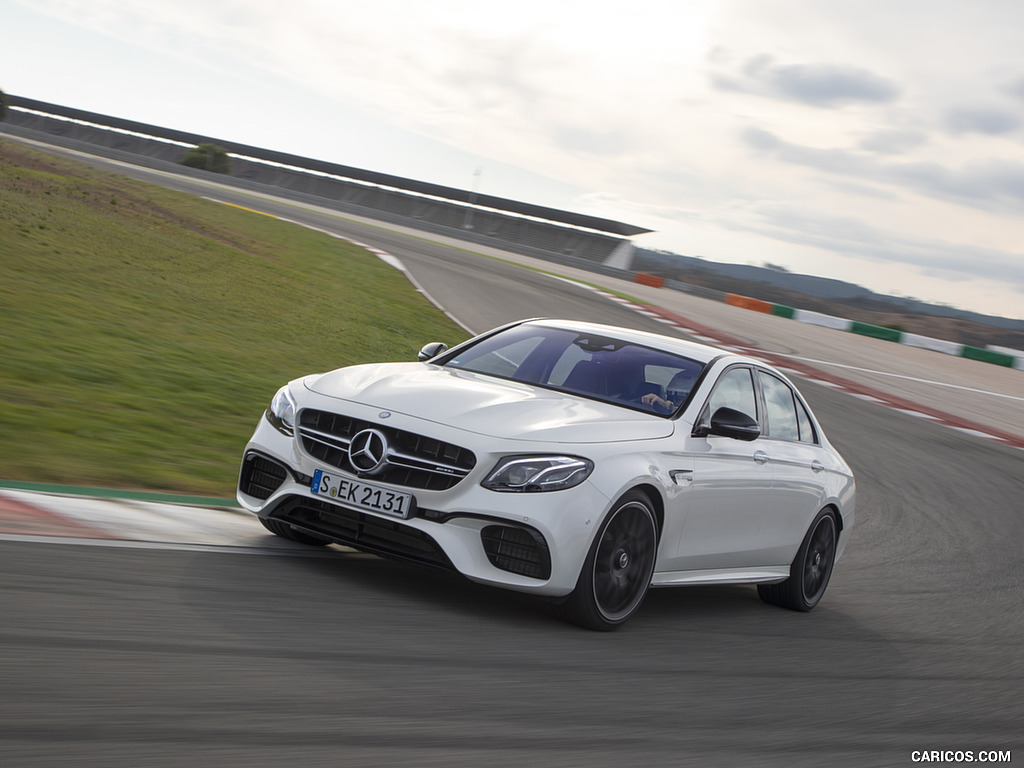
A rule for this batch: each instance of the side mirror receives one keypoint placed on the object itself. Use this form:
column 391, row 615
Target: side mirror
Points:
column 728, row 422
column 433, row 349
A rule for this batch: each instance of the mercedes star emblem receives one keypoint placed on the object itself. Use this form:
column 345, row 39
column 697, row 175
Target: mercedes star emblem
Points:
column 368, row 451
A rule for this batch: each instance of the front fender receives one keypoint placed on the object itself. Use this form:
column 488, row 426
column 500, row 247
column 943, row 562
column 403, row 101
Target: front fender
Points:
column 666, row 477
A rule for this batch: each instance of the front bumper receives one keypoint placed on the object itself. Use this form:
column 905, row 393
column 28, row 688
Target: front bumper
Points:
column 526, row 542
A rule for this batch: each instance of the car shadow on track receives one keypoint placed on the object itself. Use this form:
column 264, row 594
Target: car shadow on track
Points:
column 356, row 621
column 380, row 592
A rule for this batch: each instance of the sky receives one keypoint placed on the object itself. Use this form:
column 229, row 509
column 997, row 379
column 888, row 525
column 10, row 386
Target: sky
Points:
column 877, row 141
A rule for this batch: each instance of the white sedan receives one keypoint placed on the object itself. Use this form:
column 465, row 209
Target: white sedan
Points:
column 580, row 462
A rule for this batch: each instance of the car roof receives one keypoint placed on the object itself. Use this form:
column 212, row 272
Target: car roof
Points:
column 701, row 353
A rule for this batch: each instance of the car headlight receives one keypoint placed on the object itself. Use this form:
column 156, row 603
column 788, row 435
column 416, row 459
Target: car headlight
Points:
column 281, row 412
column 533, row 474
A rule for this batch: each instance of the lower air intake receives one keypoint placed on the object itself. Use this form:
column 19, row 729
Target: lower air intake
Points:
column 369, row 533
column 260, row 476
column 517, row 550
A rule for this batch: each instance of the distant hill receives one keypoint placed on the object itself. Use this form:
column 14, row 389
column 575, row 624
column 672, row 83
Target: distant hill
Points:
column 835, row 297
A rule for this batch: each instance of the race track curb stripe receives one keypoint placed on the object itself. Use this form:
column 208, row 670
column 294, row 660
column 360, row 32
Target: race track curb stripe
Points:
column 23, row 519
column 116, row 493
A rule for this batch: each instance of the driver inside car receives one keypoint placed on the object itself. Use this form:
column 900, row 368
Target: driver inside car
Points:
column 675, row 393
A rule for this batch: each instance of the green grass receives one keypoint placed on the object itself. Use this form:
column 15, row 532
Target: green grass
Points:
column 143, row 331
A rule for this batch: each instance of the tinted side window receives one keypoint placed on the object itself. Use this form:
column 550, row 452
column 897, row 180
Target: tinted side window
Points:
column 734, row 390
column 780, row 408
column 807, row 434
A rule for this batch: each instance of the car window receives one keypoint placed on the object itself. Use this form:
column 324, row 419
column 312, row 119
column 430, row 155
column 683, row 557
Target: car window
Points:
column 780, row 408
column 788, row 418
column 505, row 360
column 735, row 389
column 807, row 433
column 593, row 366
column 566, row 364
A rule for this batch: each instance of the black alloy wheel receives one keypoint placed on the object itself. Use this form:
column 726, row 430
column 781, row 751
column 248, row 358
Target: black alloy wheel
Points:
column 811, row 569
column 619, row 566
column 818, row 560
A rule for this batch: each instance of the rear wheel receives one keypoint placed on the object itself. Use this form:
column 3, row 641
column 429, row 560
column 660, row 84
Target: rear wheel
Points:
column 811, row 568
column 618, row 568
column 285, row 531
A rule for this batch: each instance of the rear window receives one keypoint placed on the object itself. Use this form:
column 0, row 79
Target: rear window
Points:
column 594, row 366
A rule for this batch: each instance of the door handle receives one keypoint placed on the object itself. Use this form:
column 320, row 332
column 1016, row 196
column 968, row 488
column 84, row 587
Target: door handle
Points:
column 760, row 457
column 817, row 466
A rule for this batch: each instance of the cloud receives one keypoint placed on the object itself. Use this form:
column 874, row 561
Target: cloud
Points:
column 594, row 142
column 854, row 237
column 894, row 142
column 1016, row 89
column 991, row 122
column 996, row 185
column 984, row 184
column 817, row 85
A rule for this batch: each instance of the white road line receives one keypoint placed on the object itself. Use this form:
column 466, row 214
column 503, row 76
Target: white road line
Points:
column 918, row 414
column 967, row 431
column 905, row 378
column 868, row 398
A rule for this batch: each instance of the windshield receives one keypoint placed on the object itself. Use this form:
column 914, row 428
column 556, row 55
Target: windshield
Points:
column 598, row 367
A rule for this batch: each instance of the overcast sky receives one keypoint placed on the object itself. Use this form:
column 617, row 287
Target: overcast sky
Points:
column 875, row 141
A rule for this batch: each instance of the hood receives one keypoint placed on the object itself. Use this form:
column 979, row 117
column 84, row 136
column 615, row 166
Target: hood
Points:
column 487, row 406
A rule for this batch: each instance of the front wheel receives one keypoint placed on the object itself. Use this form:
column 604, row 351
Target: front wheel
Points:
column 811, row 568
column 618, row 568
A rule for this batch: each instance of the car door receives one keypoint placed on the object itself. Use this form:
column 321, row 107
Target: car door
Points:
column 730, row 488
column 798, row 475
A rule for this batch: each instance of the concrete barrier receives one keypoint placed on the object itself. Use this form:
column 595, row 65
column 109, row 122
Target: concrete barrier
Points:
column 643, row 278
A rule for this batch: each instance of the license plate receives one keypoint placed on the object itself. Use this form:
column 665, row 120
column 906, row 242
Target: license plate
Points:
column 355, row 493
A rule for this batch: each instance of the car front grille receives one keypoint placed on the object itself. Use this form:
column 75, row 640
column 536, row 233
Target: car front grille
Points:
column 260, row 476
column 414, row 461
column 368, row 533
column 517, row 550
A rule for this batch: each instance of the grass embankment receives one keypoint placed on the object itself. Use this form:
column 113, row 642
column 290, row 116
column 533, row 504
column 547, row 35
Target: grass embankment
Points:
column 143, row 331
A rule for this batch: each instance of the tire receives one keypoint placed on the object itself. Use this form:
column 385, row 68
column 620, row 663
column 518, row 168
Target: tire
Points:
column 811, row 568
column 617, row 571
column 285, row 531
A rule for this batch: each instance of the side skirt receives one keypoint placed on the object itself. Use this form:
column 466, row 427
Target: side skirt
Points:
column 766, row 575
